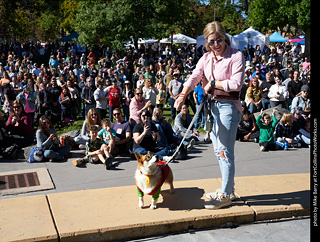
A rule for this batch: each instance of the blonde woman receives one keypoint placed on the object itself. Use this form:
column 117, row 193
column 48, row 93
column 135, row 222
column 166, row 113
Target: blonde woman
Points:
column 222, row 69
column 150, row 92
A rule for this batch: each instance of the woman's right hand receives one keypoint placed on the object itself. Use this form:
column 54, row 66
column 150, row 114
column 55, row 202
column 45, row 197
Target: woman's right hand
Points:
column 179, row 102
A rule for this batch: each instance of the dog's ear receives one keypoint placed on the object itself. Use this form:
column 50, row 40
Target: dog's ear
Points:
column 138, row 157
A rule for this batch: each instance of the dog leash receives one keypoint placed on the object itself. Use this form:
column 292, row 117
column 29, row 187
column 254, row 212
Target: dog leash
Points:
column 188, row 130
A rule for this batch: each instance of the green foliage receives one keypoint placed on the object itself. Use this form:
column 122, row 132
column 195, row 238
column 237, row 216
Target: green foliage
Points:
column 269, row 14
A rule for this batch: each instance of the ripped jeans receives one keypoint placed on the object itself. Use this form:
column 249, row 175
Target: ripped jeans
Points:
column 223, row 136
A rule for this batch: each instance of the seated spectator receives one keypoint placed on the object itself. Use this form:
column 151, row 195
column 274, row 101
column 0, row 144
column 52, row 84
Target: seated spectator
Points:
column 19, row 125
column 107, row 135
column 48, row 140
column 284, row 132
column 278, row 94
column 247, row 128
column 301, row 126
column 137, row 105
column 146, row 136
column 302, row 101
column 123, row 133
column 254, row 94
column 267, row 126
column 181, row 124
column 93, row 118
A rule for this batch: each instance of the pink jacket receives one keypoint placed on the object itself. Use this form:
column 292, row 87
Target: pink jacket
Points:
column 229, row 69
column 135, row 109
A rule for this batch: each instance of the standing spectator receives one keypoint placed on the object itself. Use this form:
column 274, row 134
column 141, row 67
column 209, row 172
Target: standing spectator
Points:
column 149, row 75
column 114, row 97
column 88, row 97
column 198, row 96
column 127, row 95
column 54, row 92
column 9, row 97
column 28, row 99
column 101, row 100
column 175, row 88
column 53, row 62
column 65, row 100
column 150, row 92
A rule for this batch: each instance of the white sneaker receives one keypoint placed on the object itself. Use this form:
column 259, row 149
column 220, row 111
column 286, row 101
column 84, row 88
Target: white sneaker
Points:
column 220, row 202
column 191, row 144
column 214, row 195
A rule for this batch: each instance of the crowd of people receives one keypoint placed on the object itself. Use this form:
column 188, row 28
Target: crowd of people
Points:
column 121, row 97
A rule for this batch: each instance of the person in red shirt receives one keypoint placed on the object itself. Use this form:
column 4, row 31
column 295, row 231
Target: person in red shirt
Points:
column 115, row 93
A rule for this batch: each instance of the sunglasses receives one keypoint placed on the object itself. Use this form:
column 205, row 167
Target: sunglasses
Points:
column 16, row 107
column 218, row 41
column 140, row 93
column 93, row 114
column 116, row 114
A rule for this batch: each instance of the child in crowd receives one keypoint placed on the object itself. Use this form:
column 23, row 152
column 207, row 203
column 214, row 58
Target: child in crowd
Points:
column 95, row 150
column 107, row 135
column 161, row 95
column 284, row 132
column 266, row 125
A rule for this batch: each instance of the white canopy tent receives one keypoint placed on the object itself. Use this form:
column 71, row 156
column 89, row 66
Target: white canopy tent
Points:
column 249, row 37
column 201, row 40
column 179, row 39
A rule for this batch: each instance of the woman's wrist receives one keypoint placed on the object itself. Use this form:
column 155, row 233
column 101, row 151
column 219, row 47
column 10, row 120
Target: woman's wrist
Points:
column 182, row 95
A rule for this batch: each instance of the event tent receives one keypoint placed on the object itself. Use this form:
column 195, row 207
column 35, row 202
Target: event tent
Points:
column 276, row 37
column 249, row 37
column 69, row 37
column 179, row 39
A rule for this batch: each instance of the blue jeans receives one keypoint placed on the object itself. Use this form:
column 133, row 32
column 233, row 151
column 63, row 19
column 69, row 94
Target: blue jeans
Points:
column 223, row 136
column 160, row 153
column 173, row 110
column 57, row 153
column 201, row 115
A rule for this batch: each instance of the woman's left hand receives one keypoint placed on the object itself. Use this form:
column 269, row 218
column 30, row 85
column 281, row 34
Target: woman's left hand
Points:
column 207, row 88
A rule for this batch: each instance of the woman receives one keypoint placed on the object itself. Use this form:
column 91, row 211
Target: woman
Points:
column 28, row 99
column 93, row 118
column 9, row 97
column 150, row 92
column 181, row 124
column 254, row 94
column 223, row 71
column 65, row 100
column 48, row 140
column 20, row 125
column 137, row 105
column 278, row 94
column 146, row 136
column 247, row 128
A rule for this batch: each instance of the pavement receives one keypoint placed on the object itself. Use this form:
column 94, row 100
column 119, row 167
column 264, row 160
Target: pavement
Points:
column 91, row 203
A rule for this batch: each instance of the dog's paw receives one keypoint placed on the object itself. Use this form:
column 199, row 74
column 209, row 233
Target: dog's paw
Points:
column 141, row 203
column 153, row 206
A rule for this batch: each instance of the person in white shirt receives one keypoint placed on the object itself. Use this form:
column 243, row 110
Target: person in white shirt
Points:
column 36, row 70
column 278, row 94
column 101, row 100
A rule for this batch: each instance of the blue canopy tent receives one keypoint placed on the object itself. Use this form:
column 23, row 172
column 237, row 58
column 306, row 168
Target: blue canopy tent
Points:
column 276, row 37
column 69, row 37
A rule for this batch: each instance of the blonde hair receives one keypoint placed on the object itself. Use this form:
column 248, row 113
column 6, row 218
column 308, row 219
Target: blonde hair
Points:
column 287, row 118
column 215, row 27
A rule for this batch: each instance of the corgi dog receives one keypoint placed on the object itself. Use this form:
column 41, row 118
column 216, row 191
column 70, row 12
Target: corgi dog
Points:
column 150, row 175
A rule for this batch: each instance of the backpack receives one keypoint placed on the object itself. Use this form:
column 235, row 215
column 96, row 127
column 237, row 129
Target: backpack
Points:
column 11, row 152
column 36, row 155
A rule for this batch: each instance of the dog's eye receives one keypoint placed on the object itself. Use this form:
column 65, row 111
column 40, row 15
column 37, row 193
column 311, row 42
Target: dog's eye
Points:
column 149, row 157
